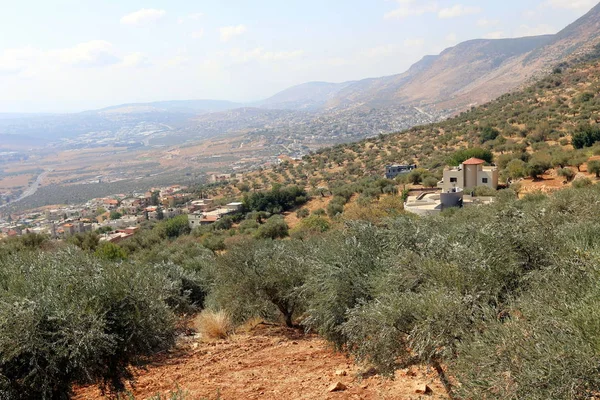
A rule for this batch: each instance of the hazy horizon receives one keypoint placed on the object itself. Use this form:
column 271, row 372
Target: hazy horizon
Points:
column 68, row 57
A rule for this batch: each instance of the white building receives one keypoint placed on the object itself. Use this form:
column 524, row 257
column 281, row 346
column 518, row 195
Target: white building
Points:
column 470, row 174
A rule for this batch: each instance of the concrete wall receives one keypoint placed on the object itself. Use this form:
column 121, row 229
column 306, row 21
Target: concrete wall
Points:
column 471, row 174
column 456, row 174
column 492, row 178
column 451, row 199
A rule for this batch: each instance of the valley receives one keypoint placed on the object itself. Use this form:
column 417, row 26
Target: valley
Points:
column 430, row 234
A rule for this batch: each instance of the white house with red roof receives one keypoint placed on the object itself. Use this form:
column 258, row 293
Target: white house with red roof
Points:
column 470, row 174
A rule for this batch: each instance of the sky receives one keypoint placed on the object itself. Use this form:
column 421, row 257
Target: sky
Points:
column 75, row 55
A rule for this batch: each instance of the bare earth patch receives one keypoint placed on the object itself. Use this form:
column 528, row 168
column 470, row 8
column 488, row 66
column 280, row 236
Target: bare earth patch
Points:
column 270, row 363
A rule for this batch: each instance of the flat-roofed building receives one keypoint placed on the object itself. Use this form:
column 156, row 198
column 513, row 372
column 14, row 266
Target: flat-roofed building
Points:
column 470, row 174
column 392, row 171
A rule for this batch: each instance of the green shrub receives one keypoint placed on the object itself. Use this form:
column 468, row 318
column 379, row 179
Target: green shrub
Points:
column 260, row 278
column 302, row 213
column 462, row 155
column 582, row 182
column 593, row 167
column 110, row 251
column 275, row 201
column 85, row 320
column 585, row 136
column 274, row 228
column 567, row 173
column 177, row 226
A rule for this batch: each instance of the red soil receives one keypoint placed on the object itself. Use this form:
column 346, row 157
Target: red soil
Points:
column 270, row 363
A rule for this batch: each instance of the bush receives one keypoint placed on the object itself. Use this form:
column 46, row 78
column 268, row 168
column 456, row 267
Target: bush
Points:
column 310, row 226
column 585, row 136
column 582, row 182
column 430, row 182
column 86, row 321
column 488, row 133
column 516, row 169
column 302, row 213
column 567, row 173
column 537, row 166
column 336, row 206
column 177, row 226
column 462, row 155
column 274, row 228
column 260, row 278
column 593, row 167
column 275, row 201
column 111, row 251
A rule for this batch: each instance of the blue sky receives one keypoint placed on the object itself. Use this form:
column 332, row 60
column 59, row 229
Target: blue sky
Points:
column 72, row 55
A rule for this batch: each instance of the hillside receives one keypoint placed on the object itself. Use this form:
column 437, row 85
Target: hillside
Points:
column 436, row 79
column 470, row 73
column 307, row 96
column 182, row 106
column 537, row 121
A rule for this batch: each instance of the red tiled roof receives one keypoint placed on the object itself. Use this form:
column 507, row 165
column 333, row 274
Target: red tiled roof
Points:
column 473, row 161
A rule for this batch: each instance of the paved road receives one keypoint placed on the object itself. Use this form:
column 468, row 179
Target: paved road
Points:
column 32, row 188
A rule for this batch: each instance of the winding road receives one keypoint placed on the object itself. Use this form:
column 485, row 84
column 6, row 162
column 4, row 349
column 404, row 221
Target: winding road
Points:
column 31, row 189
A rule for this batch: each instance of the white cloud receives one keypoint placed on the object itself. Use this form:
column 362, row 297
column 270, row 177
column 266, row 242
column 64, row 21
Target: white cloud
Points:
column 199, row 34
column 177, row 61
column 337, row 62
column 135, row 60
column 193, row 17
column 282, row 55
column 417, row 42
column 495, row 35
column 529, row 14
column 572, row 4
column 143, row 16
column 380, row 51
column 15, row 61
column 228, row 32
column 484, row 22
column 95, row 53
column 28, row 61
column 542, row 29
column 240, row 56
column 458, row 10
column 451, row 38
column 411, row 8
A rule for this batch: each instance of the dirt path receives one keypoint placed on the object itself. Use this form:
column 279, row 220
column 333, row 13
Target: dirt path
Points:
column 270, row 363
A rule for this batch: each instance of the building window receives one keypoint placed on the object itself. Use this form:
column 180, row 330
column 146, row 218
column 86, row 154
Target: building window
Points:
column 453, row 180
column 484, row 180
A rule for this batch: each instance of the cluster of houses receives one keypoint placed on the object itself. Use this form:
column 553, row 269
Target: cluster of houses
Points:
column 119, row 216
column 204, row 212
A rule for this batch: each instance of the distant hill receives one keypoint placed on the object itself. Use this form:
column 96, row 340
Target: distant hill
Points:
column 20, row 142
column 307, row 96
column 467, row 74
column 440, row 78
column 181, row 106
column 535, row 125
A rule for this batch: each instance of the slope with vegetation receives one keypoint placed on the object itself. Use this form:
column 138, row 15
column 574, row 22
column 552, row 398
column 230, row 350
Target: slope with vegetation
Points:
column 518, row 276
column 551, row 125
column 497, row 299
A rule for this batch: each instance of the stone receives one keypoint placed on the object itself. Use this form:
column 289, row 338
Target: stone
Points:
column 337, row 387
column 426, row 390
column 341, row 372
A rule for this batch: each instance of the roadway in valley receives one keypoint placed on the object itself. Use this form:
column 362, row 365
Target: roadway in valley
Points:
column 31, row 189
